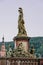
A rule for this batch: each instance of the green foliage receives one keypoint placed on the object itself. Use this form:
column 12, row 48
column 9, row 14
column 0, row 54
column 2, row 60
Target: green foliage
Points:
column 38, row 45
column 9, row 43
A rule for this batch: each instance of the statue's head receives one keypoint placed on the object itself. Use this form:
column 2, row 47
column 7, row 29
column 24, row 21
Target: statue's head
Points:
column 20, row 10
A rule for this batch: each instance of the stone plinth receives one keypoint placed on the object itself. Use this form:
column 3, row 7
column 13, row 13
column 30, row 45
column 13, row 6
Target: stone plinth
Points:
column 24, row 40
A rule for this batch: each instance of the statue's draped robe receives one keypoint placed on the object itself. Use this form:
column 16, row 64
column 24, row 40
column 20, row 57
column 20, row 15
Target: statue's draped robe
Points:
column 21, row 27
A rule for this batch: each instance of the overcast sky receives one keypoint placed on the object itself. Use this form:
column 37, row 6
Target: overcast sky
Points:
column 33, row 17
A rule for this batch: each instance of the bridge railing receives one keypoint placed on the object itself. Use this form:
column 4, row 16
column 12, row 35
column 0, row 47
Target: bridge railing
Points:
column 20, row 61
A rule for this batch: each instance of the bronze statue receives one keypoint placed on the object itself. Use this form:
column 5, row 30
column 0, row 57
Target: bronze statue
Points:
column 21, row 27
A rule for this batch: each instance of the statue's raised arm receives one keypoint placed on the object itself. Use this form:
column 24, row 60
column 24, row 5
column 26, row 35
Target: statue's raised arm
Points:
column 21, row 27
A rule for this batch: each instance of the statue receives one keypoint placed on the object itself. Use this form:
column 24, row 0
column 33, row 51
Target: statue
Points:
column 21, row 27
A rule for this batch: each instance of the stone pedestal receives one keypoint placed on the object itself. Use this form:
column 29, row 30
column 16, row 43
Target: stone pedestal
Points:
column 24, row 40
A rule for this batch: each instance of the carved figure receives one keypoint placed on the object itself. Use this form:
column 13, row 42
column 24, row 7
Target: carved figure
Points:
column 21, row 27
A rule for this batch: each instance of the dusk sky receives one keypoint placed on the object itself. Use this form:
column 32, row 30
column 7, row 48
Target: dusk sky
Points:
column 33, row 17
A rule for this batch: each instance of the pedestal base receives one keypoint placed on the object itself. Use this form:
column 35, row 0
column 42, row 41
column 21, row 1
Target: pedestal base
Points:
column 24, row 40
